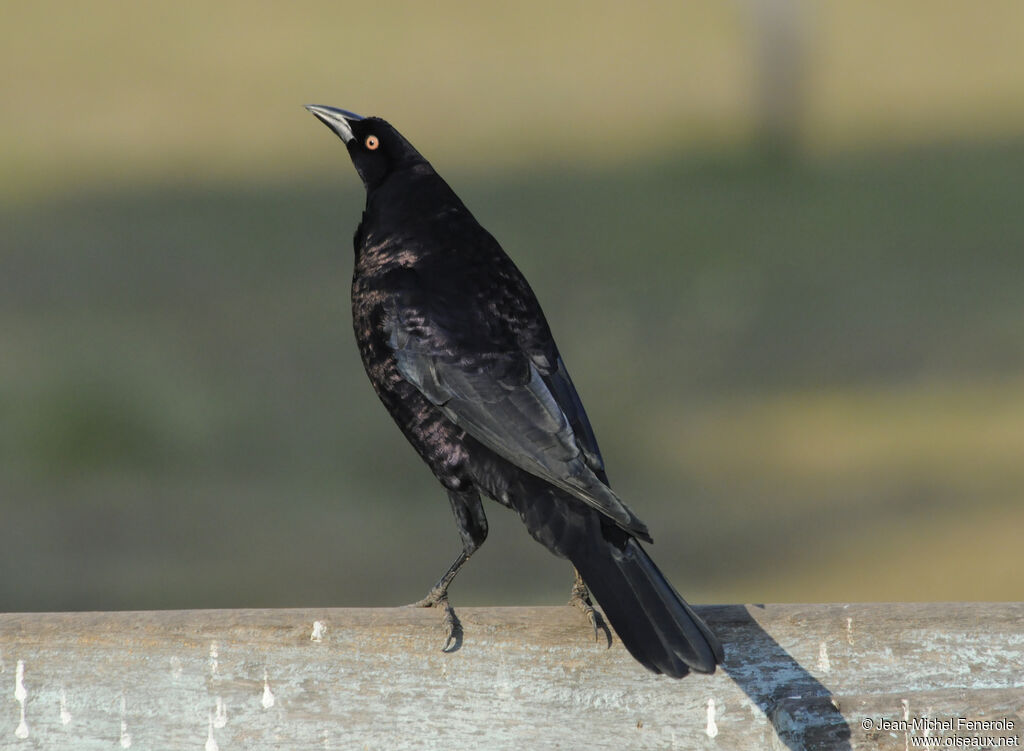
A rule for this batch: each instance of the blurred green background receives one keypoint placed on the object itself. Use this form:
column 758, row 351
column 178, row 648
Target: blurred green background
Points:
column 780, row 244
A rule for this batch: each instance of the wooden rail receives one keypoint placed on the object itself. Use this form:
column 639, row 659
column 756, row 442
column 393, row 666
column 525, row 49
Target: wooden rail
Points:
column 833, row 676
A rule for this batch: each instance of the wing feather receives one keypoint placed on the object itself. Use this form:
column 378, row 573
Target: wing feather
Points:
column 503, row 401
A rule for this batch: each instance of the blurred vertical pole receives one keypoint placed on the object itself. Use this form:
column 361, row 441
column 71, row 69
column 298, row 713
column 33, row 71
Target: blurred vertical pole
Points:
column 780, row 34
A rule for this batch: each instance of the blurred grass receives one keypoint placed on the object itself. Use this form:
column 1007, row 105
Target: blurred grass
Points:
column 118, row 92
column 805, row 372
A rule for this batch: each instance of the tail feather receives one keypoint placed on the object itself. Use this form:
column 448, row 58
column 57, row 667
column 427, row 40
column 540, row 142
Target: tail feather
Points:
column 654, row 623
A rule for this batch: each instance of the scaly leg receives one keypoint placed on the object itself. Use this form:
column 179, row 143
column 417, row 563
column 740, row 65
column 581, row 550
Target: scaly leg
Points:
column 580, row 598
column 469, row 516
column 438, row 597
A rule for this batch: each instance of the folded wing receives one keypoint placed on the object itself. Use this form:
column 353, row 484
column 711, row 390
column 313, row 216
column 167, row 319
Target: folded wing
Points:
column 503, row 401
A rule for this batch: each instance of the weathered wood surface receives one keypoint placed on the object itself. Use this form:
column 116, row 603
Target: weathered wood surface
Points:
column 797, row 676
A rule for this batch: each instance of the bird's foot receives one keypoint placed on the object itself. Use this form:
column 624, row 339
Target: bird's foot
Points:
column 580, row 598
column 438, row 598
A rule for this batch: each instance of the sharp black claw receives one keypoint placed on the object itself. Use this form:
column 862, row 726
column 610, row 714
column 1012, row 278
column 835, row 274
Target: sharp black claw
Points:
column 581, row 599
column 437, row 598
column 454, row 625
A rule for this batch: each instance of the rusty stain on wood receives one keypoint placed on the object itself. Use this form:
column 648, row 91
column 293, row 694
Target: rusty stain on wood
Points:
column 796, row 676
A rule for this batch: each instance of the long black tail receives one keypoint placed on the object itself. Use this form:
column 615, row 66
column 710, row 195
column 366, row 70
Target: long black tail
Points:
column 654, row 623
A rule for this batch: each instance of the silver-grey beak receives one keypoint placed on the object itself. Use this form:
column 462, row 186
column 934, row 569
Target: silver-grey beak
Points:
column 340, row 121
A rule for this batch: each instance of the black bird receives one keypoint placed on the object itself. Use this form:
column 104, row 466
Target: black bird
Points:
column 456, row 346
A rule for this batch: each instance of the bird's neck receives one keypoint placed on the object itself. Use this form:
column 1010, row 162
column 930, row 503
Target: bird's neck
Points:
column 420, row 197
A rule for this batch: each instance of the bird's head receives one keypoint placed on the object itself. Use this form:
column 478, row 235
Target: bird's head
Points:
column 376, row 148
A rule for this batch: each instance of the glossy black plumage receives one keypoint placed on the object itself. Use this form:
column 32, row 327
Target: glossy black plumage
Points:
column 458, row 350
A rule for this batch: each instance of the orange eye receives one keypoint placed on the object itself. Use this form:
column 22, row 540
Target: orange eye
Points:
column 372, row 143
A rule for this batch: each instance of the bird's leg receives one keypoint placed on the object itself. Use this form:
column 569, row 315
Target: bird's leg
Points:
column 438, row 597
column 580, row 598
column 469, row 516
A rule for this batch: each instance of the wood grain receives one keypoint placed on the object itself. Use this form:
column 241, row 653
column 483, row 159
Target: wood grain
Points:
column 796, row 676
